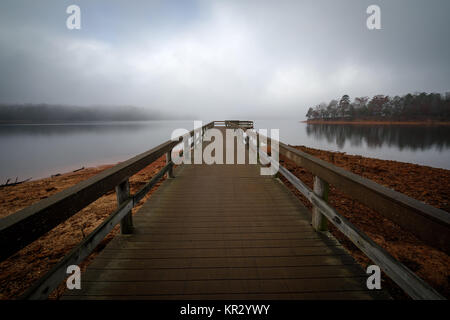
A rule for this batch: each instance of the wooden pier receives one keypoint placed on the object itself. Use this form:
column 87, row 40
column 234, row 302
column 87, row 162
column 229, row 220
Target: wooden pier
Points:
column 223, row 231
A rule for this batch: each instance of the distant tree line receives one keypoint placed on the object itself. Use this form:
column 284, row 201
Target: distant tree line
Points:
column 420, row 106
column 44, row 113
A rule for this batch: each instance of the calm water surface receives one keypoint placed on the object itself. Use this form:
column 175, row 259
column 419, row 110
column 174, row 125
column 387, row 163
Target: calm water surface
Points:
column 42, row 150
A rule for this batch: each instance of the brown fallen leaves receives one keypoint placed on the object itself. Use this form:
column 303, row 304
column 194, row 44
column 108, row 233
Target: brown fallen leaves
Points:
column 22, row 269
column 430, row 185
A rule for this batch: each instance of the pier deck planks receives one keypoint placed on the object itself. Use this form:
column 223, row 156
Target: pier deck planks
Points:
column 223, row 232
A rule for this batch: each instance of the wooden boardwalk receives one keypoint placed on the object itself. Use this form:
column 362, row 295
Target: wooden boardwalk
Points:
column 223, row 232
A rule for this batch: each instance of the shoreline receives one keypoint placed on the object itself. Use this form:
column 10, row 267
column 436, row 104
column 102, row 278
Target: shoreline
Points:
column 381, row 122
column 423, row 183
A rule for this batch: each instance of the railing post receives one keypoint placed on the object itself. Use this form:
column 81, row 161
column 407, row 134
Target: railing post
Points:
column 123, row 194
column 247, row 146
column 247, row 141
column 321, row 189
column 169, row 160
column 257, row 147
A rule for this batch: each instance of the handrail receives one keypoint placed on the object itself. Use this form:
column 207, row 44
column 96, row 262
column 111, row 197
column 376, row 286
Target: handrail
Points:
column 430, row 224
column 50, row 281
column 27, row 225
column 240, row 123
column 413, row 285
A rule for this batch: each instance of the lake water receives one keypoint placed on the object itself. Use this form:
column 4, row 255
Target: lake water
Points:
column 42, row 150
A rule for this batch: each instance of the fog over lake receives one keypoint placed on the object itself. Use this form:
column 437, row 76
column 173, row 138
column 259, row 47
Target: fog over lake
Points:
column 214, row 59
column 40, row 150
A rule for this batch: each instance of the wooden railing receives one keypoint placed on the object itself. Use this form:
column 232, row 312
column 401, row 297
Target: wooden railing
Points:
column 247, row 124
column 241, row 123
column 25, row 226
column 430, row 224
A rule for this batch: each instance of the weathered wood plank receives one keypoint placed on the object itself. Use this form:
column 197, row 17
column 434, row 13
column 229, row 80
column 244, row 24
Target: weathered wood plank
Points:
column 151, row 229
column 221, row 252
column 223, row 286
column 322, row 295
column 183, row 245
column 302, row 272
column 220, row 237
column 221, row 262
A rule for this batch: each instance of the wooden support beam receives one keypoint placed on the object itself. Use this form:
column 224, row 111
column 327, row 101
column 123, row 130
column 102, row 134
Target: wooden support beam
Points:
column 168, row 161
column 257, row 148
column 247, row 142
column 321, row 189
column 123, row 195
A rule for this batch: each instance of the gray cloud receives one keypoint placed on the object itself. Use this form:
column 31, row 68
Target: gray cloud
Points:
column 220, row 58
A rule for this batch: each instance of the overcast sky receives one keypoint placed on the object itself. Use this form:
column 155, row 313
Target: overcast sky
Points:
column 224, row 59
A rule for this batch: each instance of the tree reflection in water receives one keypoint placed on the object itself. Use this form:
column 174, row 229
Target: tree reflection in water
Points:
column 414, row 137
